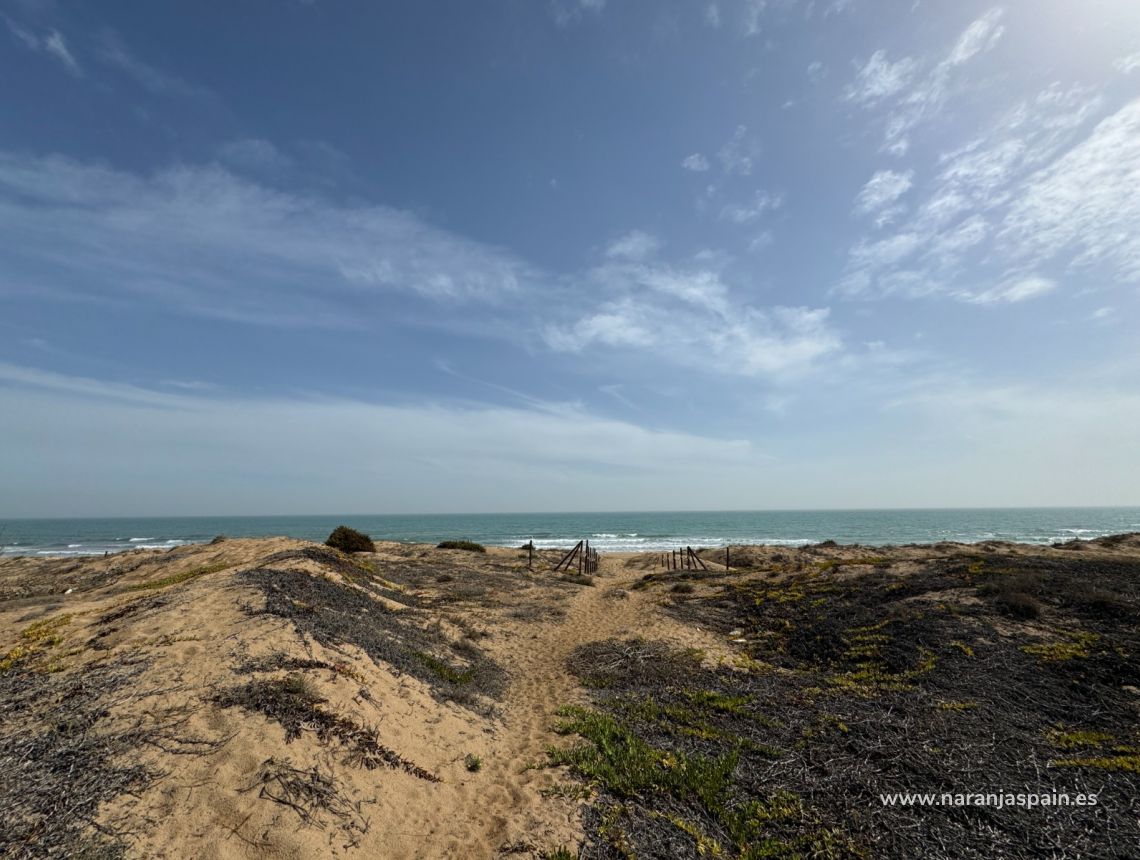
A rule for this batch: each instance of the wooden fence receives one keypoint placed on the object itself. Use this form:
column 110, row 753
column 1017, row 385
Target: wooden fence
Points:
column 684, row 559
column 586, row 558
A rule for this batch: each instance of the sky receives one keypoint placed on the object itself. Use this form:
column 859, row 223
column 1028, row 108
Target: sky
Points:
column 345, row 257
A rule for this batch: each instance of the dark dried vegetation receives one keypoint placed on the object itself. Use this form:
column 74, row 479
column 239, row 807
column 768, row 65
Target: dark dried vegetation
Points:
column 466, row 545
column 337, row 615
column 297, row 707
column 68, row 745
column 863, row 682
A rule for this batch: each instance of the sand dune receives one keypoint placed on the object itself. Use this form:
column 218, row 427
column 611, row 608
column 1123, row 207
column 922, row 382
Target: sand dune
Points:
column 273, row 698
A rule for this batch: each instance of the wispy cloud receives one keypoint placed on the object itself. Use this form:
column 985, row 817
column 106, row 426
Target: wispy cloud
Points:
column 746, row 213
column 55, row 45
column 980, row 36
column 114, row 52
column 696, row 163
column 52, row 43
column 737, row 154
column 466, row 456
column 634, row 245
column 752, row 12
column 916, row 96
column 567, row 12
column 1011, row 292
column 1085, row 204
column 690, row 316
column 211, row 243
column 879, row 79
column 1029, row 193
column 1127, row 64
column 882, row 191
column 256, row 155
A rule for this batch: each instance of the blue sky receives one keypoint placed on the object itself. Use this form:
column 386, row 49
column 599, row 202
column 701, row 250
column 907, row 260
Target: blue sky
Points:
column 332, row 256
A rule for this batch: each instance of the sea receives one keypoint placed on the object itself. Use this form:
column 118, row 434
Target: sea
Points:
column 607, row 532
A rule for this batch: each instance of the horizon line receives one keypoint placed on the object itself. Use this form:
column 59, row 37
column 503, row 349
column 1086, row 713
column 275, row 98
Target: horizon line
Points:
column 578, row 512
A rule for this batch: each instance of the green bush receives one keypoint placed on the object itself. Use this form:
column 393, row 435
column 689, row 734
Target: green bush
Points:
column 350, row 540
column 468, row 545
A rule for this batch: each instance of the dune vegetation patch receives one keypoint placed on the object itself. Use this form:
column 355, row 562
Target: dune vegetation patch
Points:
column 294, row 704
column 336, row 615
column 72, row 741
column 465, row 545
column 178, row 578
column 849, row 686
column 350, row 540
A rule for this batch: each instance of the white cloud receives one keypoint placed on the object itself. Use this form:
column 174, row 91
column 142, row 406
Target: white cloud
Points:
column 980, row 36
column 635, row 245
column 567, row 12
column 1128, row 64
column 882, row 189
column 879, row 79
column 746, row 213
column 917, row 98
column 207, row 242
column 113, row 51
column 1012, row 291
column 434, row 456
column 752, row 12
column 736, row 155
column 29, row 39
column 712, row 15
column 1085, row 202
column 696, row 162
column 254, row 154
column 760, row 241
column 885, row 252
column 1014, row 200
column 690, row 317
column 53, row 44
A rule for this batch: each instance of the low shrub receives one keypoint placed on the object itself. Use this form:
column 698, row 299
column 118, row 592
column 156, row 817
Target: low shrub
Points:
column 468, row 545
column 1012, row 595
column 350, row 540
column 1017, row 604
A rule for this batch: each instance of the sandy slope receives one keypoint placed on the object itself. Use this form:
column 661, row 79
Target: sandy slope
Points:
column 210, row 798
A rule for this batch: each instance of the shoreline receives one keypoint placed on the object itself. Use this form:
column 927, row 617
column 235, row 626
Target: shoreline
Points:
column 606, row 532
column 567, row 544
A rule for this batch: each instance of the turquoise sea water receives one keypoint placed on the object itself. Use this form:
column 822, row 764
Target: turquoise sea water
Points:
column 612, row 532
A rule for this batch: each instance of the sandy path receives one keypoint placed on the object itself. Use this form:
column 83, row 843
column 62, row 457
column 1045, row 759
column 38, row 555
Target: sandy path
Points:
column 507, row 798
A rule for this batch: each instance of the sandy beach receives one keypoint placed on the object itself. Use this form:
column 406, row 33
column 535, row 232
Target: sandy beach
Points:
column 277, row 698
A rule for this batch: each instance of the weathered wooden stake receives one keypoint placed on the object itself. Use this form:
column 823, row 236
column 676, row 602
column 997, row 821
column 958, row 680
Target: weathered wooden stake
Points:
column 566, row 559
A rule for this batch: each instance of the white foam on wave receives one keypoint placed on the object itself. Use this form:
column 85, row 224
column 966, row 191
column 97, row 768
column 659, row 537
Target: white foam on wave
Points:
column 634, row 543
column 141, row 540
